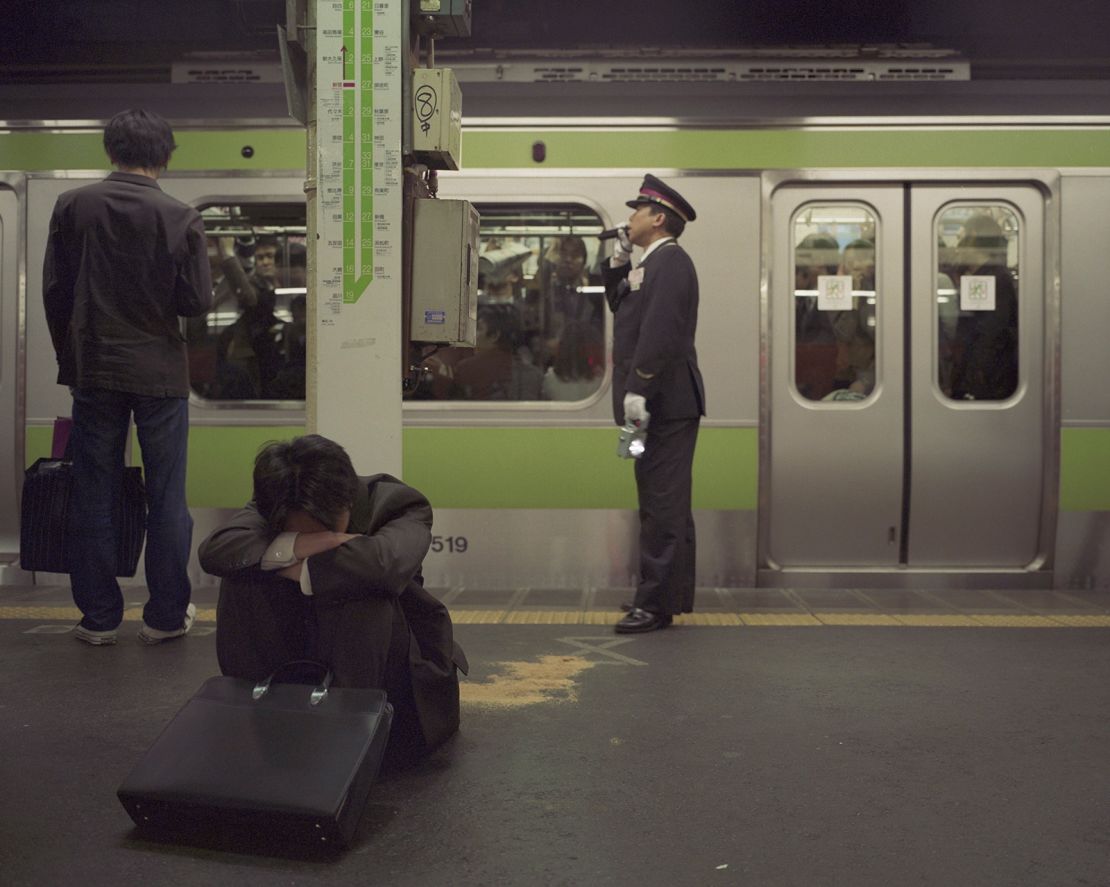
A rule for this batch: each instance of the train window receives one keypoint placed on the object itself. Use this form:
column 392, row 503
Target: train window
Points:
column 251, row 345
column 977, row 285
column 541, row 318
column 834, row 302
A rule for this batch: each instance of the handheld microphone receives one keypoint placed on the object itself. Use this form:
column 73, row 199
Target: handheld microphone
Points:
column 611, row 233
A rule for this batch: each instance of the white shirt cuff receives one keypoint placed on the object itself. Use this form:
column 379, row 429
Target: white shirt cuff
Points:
column 280, row 553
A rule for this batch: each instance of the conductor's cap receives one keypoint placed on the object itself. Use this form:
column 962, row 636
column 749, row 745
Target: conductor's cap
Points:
column 656, row 191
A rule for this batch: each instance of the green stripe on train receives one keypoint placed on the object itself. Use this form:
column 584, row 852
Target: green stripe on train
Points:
column 484, row 467
column 566, row 468
column 284, row 149
column 1085, row 469
column 790, row 149
column 561, row 467
column 196, row 150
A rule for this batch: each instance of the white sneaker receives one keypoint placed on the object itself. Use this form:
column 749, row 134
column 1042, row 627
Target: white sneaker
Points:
column 96, row 638
column 150, row 635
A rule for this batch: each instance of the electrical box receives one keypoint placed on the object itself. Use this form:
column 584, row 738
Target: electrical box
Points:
column 436, row 117
column 444, row 271
column 441, row 18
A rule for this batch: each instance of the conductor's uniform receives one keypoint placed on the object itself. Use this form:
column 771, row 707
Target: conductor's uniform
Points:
column 655, row 307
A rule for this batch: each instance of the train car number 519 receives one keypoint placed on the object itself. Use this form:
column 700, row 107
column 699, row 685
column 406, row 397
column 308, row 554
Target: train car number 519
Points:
column 450, row 544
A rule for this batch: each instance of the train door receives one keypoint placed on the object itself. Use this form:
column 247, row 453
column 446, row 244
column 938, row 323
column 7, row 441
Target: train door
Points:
column 906, row 380
column 11, row 449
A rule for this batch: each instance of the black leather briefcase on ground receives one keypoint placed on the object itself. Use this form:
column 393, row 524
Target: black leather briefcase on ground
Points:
column 267, row 759
column 44, row 541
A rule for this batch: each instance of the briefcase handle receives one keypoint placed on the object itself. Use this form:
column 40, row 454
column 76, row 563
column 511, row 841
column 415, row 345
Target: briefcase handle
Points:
column 318, row 694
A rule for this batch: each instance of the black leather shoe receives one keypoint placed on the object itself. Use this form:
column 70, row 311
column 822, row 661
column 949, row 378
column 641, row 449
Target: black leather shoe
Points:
column 638, row 620
column 626, row 606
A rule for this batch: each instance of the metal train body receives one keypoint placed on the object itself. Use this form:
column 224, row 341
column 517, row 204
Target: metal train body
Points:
column 905, row 485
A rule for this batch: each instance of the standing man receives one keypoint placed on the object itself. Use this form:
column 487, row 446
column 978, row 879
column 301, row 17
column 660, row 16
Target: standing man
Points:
column 123, row 262
column 656, row 377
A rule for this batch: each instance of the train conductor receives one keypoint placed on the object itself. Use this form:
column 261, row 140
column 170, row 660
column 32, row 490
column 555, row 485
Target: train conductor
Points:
column 657, row 384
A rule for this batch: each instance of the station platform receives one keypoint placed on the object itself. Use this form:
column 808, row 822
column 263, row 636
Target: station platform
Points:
column 774, row 737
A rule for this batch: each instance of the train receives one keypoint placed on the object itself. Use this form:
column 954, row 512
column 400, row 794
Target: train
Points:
column 901, row 329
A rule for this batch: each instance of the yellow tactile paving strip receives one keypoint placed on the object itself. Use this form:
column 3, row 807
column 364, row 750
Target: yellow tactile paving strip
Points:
column 463, row 616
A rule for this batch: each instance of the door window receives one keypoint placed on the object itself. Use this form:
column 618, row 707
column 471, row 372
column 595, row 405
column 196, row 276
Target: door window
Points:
column 834, row 302
column 977, row 307
column 251, row 345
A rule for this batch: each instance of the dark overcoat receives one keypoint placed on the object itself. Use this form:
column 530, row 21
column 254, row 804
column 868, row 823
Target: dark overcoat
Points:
column 123, row 261
column 653, row 335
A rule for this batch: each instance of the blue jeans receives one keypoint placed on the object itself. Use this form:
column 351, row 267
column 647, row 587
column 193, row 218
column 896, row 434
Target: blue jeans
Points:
column 100, row 424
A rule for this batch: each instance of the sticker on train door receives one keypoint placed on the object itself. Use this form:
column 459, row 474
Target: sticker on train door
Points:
column 977, row 292
column 834, row 292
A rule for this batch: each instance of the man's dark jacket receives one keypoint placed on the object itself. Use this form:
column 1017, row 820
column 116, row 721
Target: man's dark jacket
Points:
column 653, row 335
column 124, row 260
column 264, row 620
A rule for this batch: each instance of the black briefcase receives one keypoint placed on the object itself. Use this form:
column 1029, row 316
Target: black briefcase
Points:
column 272, row 760
column 43, row 530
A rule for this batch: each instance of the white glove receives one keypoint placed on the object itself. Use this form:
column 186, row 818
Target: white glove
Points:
column 622, row 253
column 635, row 410
column 622, row 238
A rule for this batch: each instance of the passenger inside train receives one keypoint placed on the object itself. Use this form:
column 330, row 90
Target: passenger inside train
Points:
column 248, row 351
column 578, row 366
column 982, row 361
column 855, row 328
column 815, row 347
column 496, row 370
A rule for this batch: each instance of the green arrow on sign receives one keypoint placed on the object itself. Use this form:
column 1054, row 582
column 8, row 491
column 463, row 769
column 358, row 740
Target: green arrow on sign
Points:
column 358, row 161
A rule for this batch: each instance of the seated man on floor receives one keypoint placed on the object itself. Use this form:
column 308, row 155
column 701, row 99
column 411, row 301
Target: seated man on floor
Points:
column 323, row 564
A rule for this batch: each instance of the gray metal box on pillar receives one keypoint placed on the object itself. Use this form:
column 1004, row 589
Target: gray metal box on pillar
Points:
column 444, row 271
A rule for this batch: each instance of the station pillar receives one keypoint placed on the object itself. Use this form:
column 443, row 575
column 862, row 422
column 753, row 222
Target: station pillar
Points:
column 354, row 190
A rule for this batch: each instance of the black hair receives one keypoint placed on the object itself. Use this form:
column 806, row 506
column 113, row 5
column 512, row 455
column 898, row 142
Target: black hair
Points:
column 138, row 139
column 310, row 474
column 572, row 242
column 818, row 251
column 267, row 240
column 580, row 353
column 983, row 232
column 673, row 223
column 501, row 320
column 298, row 255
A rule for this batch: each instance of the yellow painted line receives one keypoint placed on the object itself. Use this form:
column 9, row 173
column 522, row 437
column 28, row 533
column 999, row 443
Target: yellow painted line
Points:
column 778, row 619
column 1082, row 621
column 1010, row 621
column 708, row 619
column 544, row 617
column 72, row 614
column 935, row 620
column 477, row 617
column 463, row 616
column 854, row 619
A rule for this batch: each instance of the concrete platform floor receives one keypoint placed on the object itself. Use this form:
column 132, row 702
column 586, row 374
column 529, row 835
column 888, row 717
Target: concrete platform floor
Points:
column 852, row 739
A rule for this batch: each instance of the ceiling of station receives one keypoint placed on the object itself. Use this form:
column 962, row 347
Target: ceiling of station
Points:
column 136, row 40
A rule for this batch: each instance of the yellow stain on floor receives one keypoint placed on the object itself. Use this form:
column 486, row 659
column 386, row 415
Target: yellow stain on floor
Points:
column 516, row 684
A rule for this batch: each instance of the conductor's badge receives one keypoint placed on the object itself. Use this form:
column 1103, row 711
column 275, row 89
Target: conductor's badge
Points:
column 636, row 278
